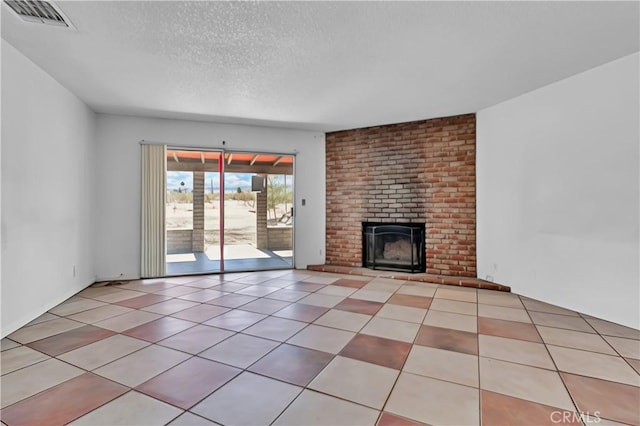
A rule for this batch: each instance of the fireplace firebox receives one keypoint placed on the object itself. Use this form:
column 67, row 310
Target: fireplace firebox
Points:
column 394, row 246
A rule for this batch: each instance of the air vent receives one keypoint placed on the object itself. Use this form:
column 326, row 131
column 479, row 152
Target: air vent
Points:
column 43, row 12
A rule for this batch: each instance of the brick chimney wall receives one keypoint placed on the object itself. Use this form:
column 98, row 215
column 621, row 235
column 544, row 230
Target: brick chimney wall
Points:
column 422, row 171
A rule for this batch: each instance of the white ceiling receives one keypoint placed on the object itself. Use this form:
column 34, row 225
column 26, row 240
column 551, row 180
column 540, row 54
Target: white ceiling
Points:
column 319, row 65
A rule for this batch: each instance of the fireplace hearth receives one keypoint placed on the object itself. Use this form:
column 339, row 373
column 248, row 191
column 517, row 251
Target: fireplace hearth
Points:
column 394, row 246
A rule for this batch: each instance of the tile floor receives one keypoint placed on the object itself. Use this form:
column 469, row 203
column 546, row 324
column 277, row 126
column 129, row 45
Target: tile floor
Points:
column 314, row 348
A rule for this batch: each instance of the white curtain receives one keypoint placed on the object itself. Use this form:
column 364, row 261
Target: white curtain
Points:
column 154, row 182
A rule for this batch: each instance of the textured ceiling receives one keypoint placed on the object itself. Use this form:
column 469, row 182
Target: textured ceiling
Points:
column 319, row 65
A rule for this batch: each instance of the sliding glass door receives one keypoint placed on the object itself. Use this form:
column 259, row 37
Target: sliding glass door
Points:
column 258, row 211
column 193, row 216
column 228, row 211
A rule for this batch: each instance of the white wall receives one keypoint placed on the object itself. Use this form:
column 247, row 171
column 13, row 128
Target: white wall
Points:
column 117, row 248
column 47, row 147
column 558, row 192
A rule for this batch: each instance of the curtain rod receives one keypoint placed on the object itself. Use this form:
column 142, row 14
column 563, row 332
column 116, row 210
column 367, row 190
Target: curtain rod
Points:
column 222, row 148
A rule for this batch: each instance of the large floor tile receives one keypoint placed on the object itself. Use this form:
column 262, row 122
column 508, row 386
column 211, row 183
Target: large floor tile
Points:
column 509, row 329
column 35, row 378
column 248, row 400
column 524, row 382
column 132, row 408
column 305, row 286
column 265, row 306
column 353, row 283
column 235, row 320
column 142, row 301
column 188, row 383
column 324, row 279
column 176, row 291
column 537, row 306
column 517, row 351
column 292, row 364
column 287, row 295
column 47, row 316
column 372, row 295
column 148, row 286
column 103, row 352
column 613, row 401
column 343, row 320
column 232, row 300
column 196, row 339
column 561, row 321
column 117, row 296
column 200, row 313
column 499, row 298
column 500, row 410
column 323, row 339
column 64, row 402
column 358, row 306
column 448, row 339
column 93, row 291
column 611, row 329
column 70, row 340
column 402, row 313
column 377, row 350
column 335, row 290
column 461, row 294
column 170, row 306
column 207, row 282
column 503, row 313
column 361, row 382
column 126, row 321
column 240, row 350
column 574, row 339
column 418, row 289
column 75, row 305
column 190, row 419
column 6, row 344
column 159, row 329
column 386, row 285
column 635, row 363
column 94, row 315
column 456, row 367
column 451, row 320
column 591, row 364
column 301, row 312
column 273, row 328
column 629, row 348
column 315, row 409
column 455, row 306
column 434, row 401
column 410, row 301
column 45, row 329
column 230, row 287
column 391, row 329
column 202, row 296
column 142, row 365
column 323, row 300
column 257, row 290
column 20, row 357
column 388, row 419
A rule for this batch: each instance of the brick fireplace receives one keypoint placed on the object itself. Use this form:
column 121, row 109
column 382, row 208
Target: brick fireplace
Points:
column 422, row 171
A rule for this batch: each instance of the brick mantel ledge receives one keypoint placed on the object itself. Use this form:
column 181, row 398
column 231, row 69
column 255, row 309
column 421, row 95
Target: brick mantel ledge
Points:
column 425, row 278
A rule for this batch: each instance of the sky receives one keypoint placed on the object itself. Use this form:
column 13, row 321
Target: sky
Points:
column 232, row 181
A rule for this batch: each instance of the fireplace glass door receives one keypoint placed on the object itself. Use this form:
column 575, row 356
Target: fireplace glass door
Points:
column 395, row 247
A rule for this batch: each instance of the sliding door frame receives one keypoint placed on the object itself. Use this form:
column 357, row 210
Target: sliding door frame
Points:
column 222, row 172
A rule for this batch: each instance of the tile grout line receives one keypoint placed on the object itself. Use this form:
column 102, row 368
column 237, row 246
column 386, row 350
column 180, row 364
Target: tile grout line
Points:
column 566, row 388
